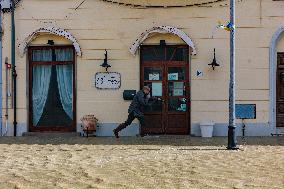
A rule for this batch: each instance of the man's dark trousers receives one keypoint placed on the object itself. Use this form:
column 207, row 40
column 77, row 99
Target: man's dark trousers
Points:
column 131, row 117
column 129, row 120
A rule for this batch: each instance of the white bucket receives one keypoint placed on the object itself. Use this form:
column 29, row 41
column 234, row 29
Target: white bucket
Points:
column 206, row 128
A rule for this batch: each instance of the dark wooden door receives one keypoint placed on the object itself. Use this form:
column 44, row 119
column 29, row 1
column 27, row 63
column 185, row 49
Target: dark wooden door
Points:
column 280, row 91
column 166, row 70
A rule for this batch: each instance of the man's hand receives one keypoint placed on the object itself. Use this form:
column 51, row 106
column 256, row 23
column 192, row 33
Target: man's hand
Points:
column 156, row 98
column 148, row 96
column 159, row 99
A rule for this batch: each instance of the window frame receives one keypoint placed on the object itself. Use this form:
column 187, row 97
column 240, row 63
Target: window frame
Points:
column 54, row 128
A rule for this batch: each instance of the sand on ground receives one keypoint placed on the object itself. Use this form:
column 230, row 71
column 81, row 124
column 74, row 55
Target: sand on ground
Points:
column 133, row 163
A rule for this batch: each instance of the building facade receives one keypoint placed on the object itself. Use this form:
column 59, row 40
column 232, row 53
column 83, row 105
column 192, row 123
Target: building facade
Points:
column 167, row 45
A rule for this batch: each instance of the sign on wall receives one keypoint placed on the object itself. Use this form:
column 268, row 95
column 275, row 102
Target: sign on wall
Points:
column 199, row 73
column 245, row 111
column 107, row 80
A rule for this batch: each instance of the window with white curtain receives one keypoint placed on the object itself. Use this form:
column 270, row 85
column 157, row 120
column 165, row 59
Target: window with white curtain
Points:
column 52, row 87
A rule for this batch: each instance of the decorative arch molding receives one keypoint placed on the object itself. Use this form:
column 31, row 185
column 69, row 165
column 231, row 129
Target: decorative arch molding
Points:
column 51, row 30
column 162, row 3
column 161, row 29
column 272, row 75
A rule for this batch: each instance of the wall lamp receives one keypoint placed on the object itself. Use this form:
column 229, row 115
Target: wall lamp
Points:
column 105, row 64
column 214, row 62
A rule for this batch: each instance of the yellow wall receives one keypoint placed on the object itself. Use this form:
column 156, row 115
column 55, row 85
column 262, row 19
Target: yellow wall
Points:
column 99, row 25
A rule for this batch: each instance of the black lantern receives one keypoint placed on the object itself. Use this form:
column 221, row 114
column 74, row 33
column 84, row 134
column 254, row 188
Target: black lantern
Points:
column 50, row 42
column 214, row 62
column 163, row 42
column 105, row 64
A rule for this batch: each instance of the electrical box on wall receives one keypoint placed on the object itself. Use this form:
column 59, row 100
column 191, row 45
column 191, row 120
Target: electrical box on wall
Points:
column 5, row 4
column 129, row 94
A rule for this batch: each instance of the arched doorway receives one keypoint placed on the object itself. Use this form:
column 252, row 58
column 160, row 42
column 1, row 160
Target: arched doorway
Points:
column 52, row 89
column 165, row 68
column 276, row 77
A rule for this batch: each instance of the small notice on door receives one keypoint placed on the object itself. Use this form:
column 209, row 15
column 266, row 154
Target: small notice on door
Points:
column 154, row 76
column 178, row 89
column 157, row 89
column 172, row 76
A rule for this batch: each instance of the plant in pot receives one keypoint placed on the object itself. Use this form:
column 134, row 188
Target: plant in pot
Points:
column 89, row 124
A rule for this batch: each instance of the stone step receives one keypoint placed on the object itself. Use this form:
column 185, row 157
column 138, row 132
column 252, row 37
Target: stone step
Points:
column 51, row 134
column 280, row 130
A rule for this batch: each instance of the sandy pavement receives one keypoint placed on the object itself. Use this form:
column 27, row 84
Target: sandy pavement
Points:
column 149, row 162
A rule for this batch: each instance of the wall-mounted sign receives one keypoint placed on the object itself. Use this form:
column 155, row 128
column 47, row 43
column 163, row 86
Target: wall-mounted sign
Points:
column 107, row 80
column 199, row 73
column 245, row 111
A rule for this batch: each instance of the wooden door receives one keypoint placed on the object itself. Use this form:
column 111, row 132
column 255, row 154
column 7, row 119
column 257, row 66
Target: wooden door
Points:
column 166, row 70
column 280, row 91
column 52, row 92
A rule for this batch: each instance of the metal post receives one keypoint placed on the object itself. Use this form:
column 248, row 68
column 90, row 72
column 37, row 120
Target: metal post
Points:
column 14, row 73
column 232, row 139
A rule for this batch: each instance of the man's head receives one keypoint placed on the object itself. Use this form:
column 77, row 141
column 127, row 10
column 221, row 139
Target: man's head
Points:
column 146, row 89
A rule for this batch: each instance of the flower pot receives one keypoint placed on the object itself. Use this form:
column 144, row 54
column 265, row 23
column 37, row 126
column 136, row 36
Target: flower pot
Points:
column 206, row 128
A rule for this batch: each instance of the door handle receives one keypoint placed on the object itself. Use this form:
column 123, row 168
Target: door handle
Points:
column 161, row 100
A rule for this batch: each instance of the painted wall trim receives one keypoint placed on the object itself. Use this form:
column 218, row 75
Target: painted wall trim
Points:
column 220, row 129
column 162, row 29
column 272, row 76
column 52, row 30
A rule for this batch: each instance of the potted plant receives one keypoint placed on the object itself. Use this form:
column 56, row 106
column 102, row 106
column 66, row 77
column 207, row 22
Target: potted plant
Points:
column 89, row 124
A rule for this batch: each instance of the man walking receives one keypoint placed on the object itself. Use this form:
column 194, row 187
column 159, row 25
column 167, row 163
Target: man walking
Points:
column 135, row 109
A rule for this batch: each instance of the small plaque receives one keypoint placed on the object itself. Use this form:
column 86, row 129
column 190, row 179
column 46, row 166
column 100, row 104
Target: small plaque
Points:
column 107, row 80
column 245, row 111
column 199, row 73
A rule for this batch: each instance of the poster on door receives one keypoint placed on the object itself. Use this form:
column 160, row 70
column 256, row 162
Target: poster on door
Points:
column 172, row 76
column 157, row 89
column 154, row 76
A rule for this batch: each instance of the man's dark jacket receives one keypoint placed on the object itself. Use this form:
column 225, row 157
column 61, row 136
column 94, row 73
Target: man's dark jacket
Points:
column 139, row 101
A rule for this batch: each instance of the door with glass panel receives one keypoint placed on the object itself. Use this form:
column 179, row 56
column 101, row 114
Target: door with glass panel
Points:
column 166, row 70
column 52, row 104
column 280, row 90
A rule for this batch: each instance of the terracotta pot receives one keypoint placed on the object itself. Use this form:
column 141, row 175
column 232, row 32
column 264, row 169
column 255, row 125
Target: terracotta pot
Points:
column 89, row 123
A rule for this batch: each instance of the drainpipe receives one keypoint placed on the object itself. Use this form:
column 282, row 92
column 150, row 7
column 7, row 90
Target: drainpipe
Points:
column 14, row 73
column 1, row 69
column 8, row 94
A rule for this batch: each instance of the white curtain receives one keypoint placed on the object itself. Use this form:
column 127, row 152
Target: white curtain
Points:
column 64, row 81
column 41, row 80
column 64, row 54
column 42, row 55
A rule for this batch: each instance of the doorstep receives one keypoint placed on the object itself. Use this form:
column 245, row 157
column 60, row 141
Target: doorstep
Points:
column 51, row 134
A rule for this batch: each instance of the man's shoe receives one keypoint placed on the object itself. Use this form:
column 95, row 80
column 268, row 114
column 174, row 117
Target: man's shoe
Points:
column 119, row 128
column 115, row 132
